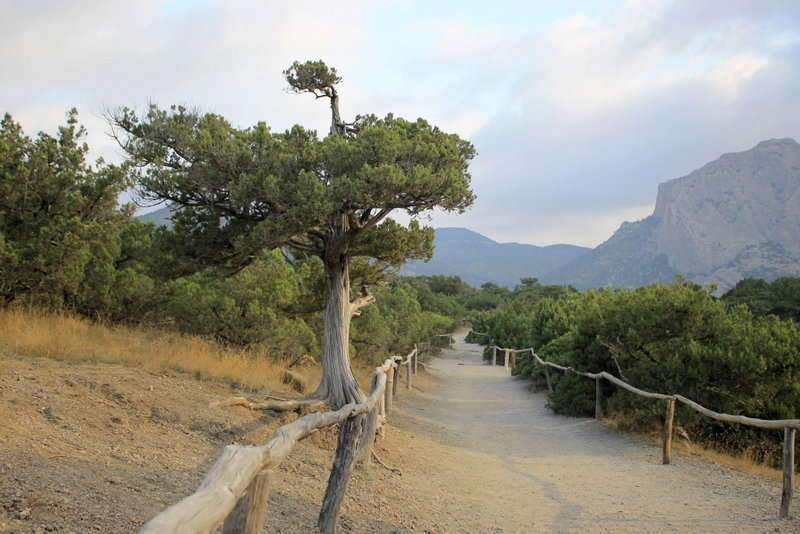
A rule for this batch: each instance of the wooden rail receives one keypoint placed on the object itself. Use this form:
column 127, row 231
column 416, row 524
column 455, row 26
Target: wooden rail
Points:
column 236, row 489
column 789, row 426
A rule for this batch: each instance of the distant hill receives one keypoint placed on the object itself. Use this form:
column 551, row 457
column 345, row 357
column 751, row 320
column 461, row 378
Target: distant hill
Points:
column 477, row 259
column 161, row 217
column 469, row 255
column 736, row 217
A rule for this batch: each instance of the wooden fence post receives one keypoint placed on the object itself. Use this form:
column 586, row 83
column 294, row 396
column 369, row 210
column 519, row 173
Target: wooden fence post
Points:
column 349, row 433
column 408, row 375
column 549, row 382
column 370, row 426
column 666, row 457
column 250, row 511
column 388, row 394
column 788, row 472
column 396, row 378
column 416, row 358
column 598, row 399
column 513, row 362
column 506, row 358
column 494, row 356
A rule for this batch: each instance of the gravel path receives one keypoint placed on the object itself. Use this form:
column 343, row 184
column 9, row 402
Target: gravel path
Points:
column 524, row 469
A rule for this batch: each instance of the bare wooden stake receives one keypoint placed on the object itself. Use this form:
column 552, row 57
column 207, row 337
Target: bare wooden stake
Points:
column 788, row 472
column 370, row 427
column 494, row 355
column 250, row 511
column 396, row 379
column 349, row 433
column 598, row 399
column 549, row 382
column 669, row 418
column 408, row 375
column 389, row 394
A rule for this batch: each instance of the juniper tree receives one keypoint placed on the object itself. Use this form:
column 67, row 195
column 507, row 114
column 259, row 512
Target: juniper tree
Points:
column 59, row 218
column 240, row 191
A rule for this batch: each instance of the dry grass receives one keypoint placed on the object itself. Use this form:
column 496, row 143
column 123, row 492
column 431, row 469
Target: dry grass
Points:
column 62, row 336
column 65, row 337
column 742, row 462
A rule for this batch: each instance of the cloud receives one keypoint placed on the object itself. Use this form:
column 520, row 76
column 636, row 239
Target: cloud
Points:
column 576, row 112
column 226, row 57
column 605, row 108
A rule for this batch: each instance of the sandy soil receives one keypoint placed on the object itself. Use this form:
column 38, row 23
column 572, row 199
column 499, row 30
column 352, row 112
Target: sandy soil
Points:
column 519, row 468
column 101, row 448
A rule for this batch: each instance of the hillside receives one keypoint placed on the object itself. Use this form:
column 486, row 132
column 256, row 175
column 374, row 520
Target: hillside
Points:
column 478, row 259
column 736, row 217
column 161, row 217
column 90, row 447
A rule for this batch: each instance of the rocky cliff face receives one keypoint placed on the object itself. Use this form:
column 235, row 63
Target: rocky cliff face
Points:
column 736, row 217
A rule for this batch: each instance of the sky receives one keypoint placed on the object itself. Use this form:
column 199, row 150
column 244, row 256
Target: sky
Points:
column 578, row 109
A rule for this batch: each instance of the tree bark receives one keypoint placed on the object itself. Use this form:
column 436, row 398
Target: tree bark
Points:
column 338, row 386
column 337, row 126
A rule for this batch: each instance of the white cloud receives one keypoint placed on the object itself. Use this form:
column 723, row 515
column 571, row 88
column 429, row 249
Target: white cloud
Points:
column 728, row 77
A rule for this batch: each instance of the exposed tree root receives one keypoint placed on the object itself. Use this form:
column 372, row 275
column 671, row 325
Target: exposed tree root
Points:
column 392, row 469
column 278, row 406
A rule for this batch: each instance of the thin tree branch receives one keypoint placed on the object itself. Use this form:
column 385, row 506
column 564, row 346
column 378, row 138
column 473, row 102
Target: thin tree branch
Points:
column 375, row 220
column 303, row 247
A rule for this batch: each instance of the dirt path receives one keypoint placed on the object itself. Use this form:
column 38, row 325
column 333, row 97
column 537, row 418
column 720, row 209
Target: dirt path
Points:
column 522, row 469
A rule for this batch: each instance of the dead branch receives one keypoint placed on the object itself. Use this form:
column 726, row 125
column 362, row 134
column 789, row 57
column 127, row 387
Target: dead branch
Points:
column 280, row 406
column 393, row 469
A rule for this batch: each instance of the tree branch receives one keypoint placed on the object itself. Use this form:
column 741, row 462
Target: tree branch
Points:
column 353, row 220
column 375, row 220
column 302, row 247
column 364, row 298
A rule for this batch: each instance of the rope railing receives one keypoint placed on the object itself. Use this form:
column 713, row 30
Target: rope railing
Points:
column 789, row 426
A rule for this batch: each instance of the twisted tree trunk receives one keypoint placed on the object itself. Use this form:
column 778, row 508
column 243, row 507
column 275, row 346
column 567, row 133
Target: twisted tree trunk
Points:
column 338, row 386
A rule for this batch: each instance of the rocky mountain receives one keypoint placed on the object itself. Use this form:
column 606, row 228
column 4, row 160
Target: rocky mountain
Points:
column 736, row 217
column 478, row 259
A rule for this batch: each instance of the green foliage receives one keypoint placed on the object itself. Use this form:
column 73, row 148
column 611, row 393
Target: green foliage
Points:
column 254, row 308
column 781, row 297
column 409, row 311
column 572, row 395
column 239, row 191
column 263, row 222
column 59, row 219
column 311, row 77
column 667, row 338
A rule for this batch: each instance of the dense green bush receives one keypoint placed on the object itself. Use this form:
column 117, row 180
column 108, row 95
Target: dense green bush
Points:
column 781, row 297
column 667, row 338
